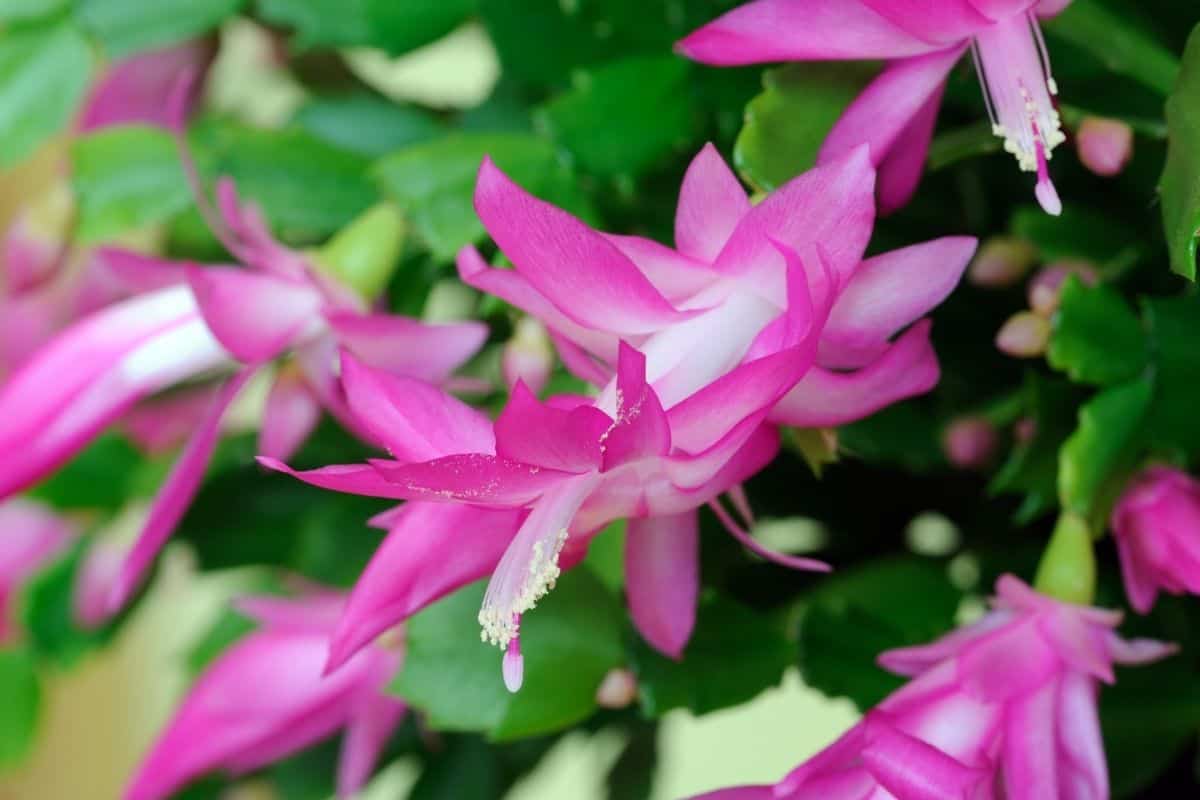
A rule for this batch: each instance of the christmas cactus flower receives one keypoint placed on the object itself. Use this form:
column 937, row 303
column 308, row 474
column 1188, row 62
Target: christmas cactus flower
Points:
column 267, row 697
column 1002, row 708
column 1156, row 524
column 764, row 316
column 921, row 42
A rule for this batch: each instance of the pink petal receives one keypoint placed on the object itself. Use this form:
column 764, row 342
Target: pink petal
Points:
column 900, row 172
column 139, row 272
column 1051, row 8
column 101, row 565
column 413, row 419
column 366, row 735
column 997, row 10
column 472, row 478
column 364, row 479
column 883, row 111
column 887, row 293
column 533, row 433
column 574, row 267
column 1138, row 651
column 409, row 347
column 640, row 429
column 254, row 315
column 711, row 202
column 944, row 22
column 90, row 374
column 176, row 493
column 739, row 793
column 580, row 363
column 677, row 276
column 160, row 424
column 1082, row 763
column 530, row 566
column 787, row 30
column 1030, row 751
column 290, row 415
column 136, row 89
column 832, row 205
column 430, row 550
column 316, row 612
column 825, row 398
column 662, row 578
column 910, row 768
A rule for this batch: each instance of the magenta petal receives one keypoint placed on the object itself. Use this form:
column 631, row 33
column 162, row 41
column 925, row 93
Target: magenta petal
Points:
column 472, row 478
column 640, row 429
column 176, row 494
column 364, row 479
column 662, row 578
column 711, row 202
column 409, row 347
column 577, row 269
column 534, row 433
column 413, row 419
column 136, row 90
column 825, row 398
column 316, row 612
column 740, row 793
column 160, row 424
column 366, row 734
column 998, row 10
column 289, row 417
column 832, row 205
column 901, row 171
column 788, row 30
column 254, row 315
column 915, row 770
column 943, row 22
column 139, row 272
column 887, row 293
column 679, row 277
column 431, row 550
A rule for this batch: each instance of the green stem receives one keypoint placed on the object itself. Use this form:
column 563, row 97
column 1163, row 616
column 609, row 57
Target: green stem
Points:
column 1068, row 567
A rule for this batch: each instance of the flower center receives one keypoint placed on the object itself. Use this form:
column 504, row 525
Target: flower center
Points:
column 1014, row 70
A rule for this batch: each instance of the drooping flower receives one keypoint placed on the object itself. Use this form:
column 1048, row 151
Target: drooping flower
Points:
column 921, row 41
column 1002, row 708
column 31, row 535
column 267, row 697
column 1156, row 524
column 764, row 316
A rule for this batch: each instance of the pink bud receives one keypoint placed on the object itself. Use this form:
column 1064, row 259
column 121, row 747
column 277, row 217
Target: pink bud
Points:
column 1001, row 262
column 1045, row 290
column 1105, row 145
column 969, row 442
column 528, row 356
column 1156, row 524
column 1025, row 335
column 513, row 667
column 618, row 689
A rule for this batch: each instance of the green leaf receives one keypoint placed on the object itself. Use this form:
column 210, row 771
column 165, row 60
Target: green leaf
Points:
column 433, row 182
column 570, row 642
column 1103, row 447
column 25, row 10
column 307, row 187
column 102, row 475
column 858, row 613
column 1174, row 327
column 1117, row 42
column 734, row 654
column 1097, row 339
column 366, row 124
column 1080, row 233
column 624, row 117
column 906, row 434
column 467, row 770
column 47, row 612
column 130, row 26
column 43, row 75
column 1180, row 183
column 126, row 178
column 19, row 712
column 394, row 27
column 787, row 124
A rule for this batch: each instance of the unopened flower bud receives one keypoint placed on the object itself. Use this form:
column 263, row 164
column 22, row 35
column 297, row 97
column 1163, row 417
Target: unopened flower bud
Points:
column 528, row 356
column 617, row 690
column 1001, row 261
column 1045, row 290
column 970, row 442
column 1025, row 335
column 1156, row 525
column 1105, row 145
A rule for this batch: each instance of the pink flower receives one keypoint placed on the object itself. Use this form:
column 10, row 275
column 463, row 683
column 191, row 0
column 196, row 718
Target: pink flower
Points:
column 764, row 316
column 921, row 41
column 1157, row 528
column 1105, row 145
column 267, row 697
column 31, row 536
column 138, row 89
column 189, row 322
column 1003, row 708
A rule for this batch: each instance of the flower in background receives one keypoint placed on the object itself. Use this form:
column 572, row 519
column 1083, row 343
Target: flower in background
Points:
column 1105, row 145
column 921, row 42
column 764, row 316
column 267, row 697
column 970, row 442
column 1157, row 528
column 31, row 536
column 1002, row 708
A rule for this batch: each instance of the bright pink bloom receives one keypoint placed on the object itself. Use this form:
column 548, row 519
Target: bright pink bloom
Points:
column 1004, row 708
column 921, row 41
column 267, row 697
column 31, row 536
column 1157, row 528
column 1105, row 145
column 765, row 316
